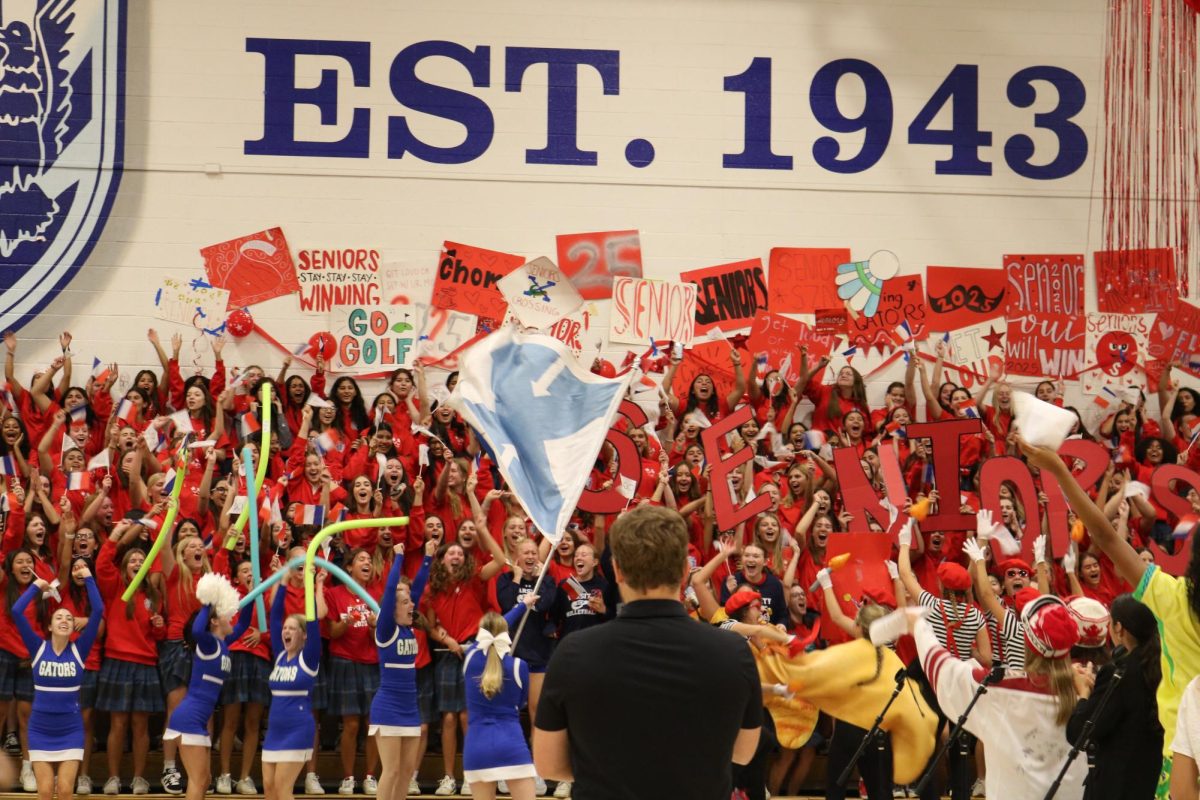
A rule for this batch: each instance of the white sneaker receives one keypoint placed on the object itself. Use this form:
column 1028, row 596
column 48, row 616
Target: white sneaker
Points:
column 465, row 788
column 312, row 784
column 112, row 785
column 225, row 784
column 83, row 785
column 446, row 787
column 539, row 786
column 370, row 785
column 979, row 790
column 347, row 786
column 28, row 779
column 502, row 787
column 563, row 789
column 414, row 786
column 246, row 786
column 141, row 786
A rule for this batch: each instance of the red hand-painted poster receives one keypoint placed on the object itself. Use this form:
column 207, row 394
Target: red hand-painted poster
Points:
column 1045, row 345
column 592, row 260
column 780, row 338
column 1043, row 285
column 962, row 296
column 802, row 279
column 711, row 359
column 728, row 296
column 902, row 300
column 466, row 281
column 1176, row 336
column 253, row 268
column 831, row 321
column 1136, row 281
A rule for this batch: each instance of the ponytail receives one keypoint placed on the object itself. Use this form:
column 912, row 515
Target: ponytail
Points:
column 492, row 679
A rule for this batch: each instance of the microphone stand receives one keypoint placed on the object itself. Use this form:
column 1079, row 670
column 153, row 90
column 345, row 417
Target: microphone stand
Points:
column 992, row 677
column 1085, row 736
column 876, row 730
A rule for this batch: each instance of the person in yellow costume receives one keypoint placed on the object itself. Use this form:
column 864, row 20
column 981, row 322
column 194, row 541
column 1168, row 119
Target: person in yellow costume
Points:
column 1174, row 601
column 851, row 682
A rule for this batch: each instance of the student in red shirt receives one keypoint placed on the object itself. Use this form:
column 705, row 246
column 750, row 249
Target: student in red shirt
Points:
column 354, row 664
column 832, row 403
column 347, row 399
column 454, row 603
column 128, row 687
column 703, row 394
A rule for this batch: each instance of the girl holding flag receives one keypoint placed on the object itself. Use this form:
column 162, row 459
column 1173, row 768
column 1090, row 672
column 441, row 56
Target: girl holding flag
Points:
column 55, row 734
column 212, row 631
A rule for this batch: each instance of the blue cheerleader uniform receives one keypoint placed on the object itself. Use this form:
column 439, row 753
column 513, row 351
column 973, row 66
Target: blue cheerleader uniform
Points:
column 56, row 724
column 290, row 725
column 495, row 748
column 210, row 667
column 395, row 710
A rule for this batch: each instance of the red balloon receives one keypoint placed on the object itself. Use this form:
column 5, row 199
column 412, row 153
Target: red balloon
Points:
column 322, row 344
column 239, row 324
column 604, row 368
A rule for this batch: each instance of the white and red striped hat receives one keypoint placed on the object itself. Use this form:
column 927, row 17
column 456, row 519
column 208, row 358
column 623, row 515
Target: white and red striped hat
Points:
column 1049, row 627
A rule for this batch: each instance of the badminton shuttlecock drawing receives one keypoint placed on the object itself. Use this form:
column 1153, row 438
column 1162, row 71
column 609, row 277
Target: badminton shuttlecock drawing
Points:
column 861, row 282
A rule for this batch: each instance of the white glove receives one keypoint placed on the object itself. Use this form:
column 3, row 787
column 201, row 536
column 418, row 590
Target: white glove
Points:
column 983, row 525
column 893, row 571
column 825, row 579
column 781, row 690
column 1039, row 550
column 973, row 550
column 1071, row 559
column 904, row 537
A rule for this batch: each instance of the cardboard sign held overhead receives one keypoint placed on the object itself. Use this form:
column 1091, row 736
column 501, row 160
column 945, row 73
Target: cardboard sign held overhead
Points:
column 728, row 296
column 1136, row 281
column 958, row 296
column 780, row 338
column 644, row 309
column 728, row 516
column 1120, row 345
column 467, row 279
column 373, row 338
column 539, row 294
column 803, row 279
column 191, row 301
column 253, row 268
column 593, row 260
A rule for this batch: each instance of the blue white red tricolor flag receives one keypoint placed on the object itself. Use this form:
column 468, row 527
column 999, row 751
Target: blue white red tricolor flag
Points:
column 327, row 442
column 310, row 515
column 542, row 414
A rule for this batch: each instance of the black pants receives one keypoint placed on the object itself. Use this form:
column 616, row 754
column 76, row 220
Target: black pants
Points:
column 751, row 778
column 875, row 765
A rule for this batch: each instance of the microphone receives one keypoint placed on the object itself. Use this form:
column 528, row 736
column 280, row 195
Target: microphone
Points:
column 901, row 674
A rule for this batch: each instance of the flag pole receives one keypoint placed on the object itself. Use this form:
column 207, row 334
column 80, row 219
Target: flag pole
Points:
column 536, row 586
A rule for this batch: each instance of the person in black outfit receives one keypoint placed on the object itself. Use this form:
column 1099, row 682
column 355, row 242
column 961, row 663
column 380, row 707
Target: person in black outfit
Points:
column 652, row 704
column 1127, row 737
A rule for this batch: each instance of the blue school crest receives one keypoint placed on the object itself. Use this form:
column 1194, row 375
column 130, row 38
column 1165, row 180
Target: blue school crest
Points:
column 62, row 109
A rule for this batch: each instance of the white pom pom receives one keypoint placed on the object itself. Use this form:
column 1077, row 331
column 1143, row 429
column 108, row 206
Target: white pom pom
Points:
column 214, row 590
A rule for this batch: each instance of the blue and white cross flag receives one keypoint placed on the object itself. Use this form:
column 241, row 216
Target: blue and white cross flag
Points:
column 542, row 414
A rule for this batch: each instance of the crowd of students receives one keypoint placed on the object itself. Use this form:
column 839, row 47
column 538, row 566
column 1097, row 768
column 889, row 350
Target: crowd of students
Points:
column 89, row 477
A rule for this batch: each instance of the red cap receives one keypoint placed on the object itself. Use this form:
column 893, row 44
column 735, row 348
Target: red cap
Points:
column 1013, row 563
column 953, row 576
column 1024, row 597
column 1049, row 627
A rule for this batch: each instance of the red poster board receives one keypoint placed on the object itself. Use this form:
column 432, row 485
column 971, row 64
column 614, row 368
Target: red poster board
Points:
column 780, row 338
column 466, row 280
column 1176, row 336
column 801, row 279
column 1136, row 281
column 728, row 296
column 962, row 296
column 902, row 300
column 1040, row 345
column 253, row 268
column 592, row 260
column 1043, row 284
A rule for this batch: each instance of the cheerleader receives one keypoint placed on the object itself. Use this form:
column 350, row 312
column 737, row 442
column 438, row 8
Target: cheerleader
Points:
column 55, row 733
column 395, row 715
column 496, row 686
column 290, row 725
column 211, row 634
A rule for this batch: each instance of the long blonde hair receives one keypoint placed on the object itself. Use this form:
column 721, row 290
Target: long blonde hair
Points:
column 187, row 581
column 1062, row 682
column 492, row 679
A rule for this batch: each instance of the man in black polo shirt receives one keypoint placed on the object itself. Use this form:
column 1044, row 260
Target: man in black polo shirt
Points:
column 653, row 704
